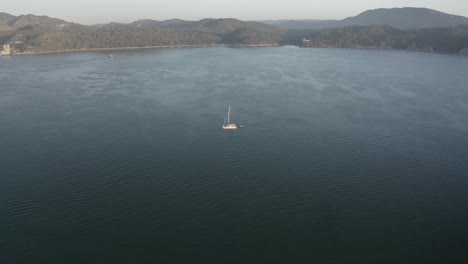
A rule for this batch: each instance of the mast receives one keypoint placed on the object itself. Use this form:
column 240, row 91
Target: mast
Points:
column 225, row 119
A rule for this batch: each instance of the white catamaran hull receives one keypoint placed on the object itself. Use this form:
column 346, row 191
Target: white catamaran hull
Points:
column 230, row 127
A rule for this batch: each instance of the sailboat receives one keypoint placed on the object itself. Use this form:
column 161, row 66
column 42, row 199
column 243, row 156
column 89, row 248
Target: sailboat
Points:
column 226, row 124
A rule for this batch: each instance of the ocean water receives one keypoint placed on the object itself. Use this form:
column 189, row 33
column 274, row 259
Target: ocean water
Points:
column 346, row 156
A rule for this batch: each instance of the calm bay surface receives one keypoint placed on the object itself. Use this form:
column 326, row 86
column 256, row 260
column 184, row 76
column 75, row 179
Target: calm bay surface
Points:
column 346, row 156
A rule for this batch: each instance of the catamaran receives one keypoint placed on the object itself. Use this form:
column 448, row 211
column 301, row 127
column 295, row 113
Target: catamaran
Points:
column 226, row 124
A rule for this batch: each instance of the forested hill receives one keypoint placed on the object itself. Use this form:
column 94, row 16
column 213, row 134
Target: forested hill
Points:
column 446, row 40
column 222, row 25
column 39, row 33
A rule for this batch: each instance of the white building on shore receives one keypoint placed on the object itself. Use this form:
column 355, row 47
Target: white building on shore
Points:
column 6, row 50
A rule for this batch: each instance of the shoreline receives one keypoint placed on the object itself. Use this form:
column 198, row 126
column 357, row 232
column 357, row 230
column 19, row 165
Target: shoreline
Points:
column 379, row 49
column 141, row 48
column 212, row 46
column 116, row 49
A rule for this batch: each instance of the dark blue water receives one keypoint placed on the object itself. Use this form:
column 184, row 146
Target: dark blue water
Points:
column 346, row 156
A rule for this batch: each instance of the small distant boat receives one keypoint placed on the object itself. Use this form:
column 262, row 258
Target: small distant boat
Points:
column 227, row 125
column 110, row 56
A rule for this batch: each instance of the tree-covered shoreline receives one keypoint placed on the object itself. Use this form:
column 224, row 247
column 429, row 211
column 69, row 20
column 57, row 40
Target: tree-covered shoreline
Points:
column 40, row 34
column 443, row 40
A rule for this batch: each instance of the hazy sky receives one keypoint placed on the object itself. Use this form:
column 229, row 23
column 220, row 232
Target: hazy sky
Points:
column 100, row 11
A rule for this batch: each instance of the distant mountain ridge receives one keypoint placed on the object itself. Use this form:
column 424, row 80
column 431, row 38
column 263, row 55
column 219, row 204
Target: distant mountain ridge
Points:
column 213, row 25
column 161, row 24
column 402, row 18
column 440, row 33
column 26, row 20
column 10, row 22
